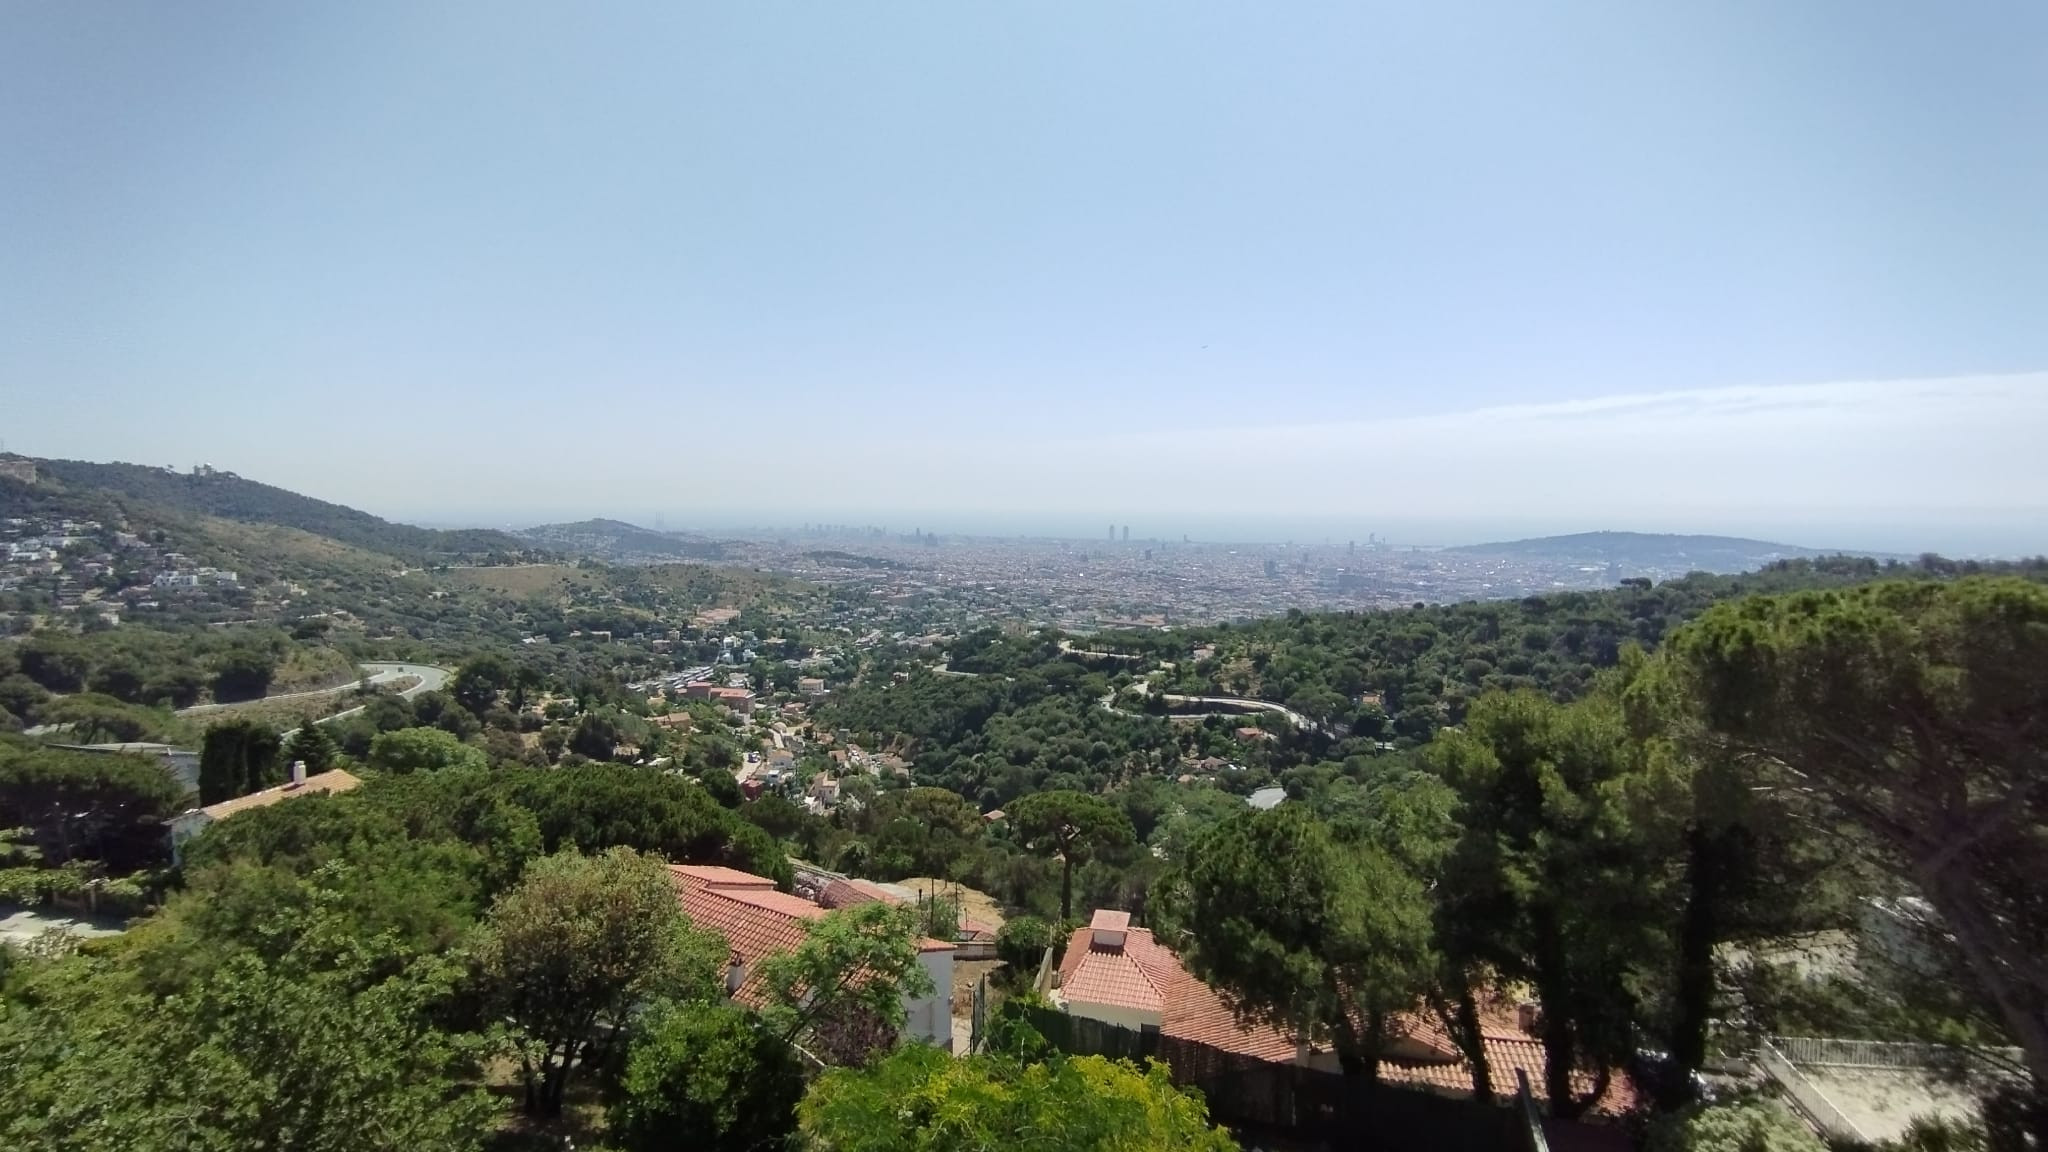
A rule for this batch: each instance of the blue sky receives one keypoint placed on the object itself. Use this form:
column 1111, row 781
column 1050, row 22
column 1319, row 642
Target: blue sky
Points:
column 1051, row 260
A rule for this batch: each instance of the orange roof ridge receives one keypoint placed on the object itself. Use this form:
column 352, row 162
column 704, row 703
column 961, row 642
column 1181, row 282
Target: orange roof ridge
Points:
column 331, row 781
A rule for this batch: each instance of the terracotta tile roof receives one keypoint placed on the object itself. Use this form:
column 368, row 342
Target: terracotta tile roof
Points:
column 1111, row 977
column 1196, row 1013
column 715, row 876
column 325, row 782
column 847, row 892
column 755, row 922
column 1508, row 1047
column 755, row 919
column 1505, row 1055
column 1146, row 975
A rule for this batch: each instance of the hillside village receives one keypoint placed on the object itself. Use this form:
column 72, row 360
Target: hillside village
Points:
column 972, row 835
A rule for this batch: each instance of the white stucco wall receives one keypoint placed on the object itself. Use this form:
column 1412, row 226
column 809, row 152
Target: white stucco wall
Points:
column 185, row 826
column 930, row 1018
column 1117, row 1014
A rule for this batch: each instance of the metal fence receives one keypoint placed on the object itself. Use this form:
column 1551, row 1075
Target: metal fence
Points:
column 1807, row 1096
column 1825, row 1052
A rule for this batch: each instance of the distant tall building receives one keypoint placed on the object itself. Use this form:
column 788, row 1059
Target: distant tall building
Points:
column 1127, row 533
column 1351, row 549
column 1112, row 532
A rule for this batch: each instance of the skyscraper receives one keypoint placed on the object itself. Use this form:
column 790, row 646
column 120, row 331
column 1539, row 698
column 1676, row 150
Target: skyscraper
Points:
column 1112, row 532
column 1127, row 533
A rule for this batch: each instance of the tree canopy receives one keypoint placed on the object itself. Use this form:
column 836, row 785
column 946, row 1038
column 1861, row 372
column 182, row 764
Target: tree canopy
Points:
column 423, row 750
column 578, row 943
column 1915, row 709
column 709, row 1076
column 1326, row 941
column 920, row 1099
column 1068, row 825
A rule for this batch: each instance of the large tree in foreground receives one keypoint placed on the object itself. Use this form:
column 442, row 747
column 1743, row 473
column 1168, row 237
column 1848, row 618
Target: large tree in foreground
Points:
column 1071, row 826
column 580, row 940
column 922, row 1100
column 86, row 804
column 328, row 1046
column 237, row 758
column 1920, row 711
column 840, row 993
column 1551, row 882
column 1326, row 941
column 710, row 1076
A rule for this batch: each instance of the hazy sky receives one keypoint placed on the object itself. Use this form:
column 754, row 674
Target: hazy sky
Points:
column 1455, row 267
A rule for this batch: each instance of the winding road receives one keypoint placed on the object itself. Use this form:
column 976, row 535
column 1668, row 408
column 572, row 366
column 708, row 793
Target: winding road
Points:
column 1234, row 705
column 376, row 672
column 431, row 678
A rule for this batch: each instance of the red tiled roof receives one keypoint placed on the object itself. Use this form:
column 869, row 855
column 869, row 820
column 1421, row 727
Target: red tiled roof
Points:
column 715, row 876
column 1112, row 977
column 334, row 780
column 1147, row 976
column 1505, row 1055
column 1198, row 1014
column 756, row 922
column 755, row 919
column 847, row 892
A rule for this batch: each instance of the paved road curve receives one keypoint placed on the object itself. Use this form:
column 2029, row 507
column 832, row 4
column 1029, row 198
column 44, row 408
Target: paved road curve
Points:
column 1237, row 706
column 430, row 679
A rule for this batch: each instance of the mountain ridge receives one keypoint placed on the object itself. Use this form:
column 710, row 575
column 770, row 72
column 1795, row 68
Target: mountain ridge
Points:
column 618, row 539
column 205, row 492
column 1660, row 551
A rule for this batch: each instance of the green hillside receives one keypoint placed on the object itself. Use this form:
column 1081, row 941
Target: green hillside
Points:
column 1659, row 550
column 142, row 489
column 618, row 540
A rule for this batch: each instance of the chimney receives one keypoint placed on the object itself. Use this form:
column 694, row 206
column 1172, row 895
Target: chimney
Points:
column 1528, row 1015
column 735, row 974
column 1107, row 929
column 298, row 773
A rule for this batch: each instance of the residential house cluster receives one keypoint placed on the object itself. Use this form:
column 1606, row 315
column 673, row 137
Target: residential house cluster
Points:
column 740, row 700
column 85, row 565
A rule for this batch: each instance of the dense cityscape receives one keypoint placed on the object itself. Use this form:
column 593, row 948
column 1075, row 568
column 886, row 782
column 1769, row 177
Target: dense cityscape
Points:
column 1084, row 586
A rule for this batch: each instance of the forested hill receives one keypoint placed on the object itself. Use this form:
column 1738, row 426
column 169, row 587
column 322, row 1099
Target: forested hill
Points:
column 1408, row 672
column 618, row 540
column 1651, row 550
column 140, row 490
